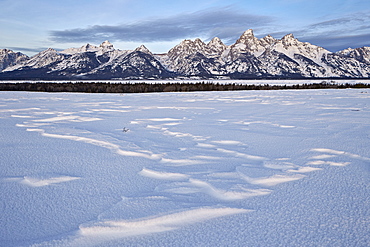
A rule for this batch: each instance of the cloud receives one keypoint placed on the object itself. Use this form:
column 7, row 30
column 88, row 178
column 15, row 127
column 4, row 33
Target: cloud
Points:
column 341, row 42
column 330, row 23
column 338, row 33
column 31, row 50
column 354, row 22
column 225, row 23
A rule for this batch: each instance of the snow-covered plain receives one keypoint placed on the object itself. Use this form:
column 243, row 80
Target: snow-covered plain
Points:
column 246, row 168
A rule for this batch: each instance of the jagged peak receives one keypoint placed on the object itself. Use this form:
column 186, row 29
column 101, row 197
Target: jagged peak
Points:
column 364, row 48
column 360, row 51
column 143, row 48
column 84, row 48
column 289, row 40
column 268, row 38
column 8, row 51
column 88, row 46
column 199, row 44
column 216, row 41
column 186, row 42
column 3, row 51
column 106, row 44
column 49, row 50
column 198, row 41
column 248, row 33
column 246, row 37
column 346, row 51
column 288, row 37
column 105, row 47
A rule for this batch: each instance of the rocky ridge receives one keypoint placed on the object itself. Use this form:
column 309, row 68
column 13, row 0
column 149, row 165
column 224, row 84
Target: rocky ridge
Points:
column 249, row 57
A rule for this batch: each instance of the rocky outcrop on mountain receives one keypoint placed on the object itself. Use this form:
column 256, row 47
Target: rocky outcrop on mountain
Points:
column 134, row 65
column 9, row 58
column 249, row 57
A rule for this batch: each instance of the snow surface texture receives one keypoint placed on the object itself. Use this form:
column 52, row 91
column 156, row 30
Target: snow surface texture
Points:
column 247, row 168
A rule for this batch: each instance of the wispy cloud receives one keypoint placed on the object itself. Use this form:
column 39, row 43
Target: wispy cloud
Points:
column 338, row 33
column 353, row 22
column 340, row 42
column 226, row 23
column 26, row 50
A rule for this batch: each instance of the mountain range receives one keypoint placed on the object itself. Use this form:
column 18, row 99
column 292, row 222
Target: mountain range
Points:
column 248, row 58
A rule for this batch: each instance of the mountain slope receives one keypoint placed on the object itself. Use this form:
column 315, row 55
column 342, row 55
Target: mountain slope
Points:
column 9, row 58
column 134, row 65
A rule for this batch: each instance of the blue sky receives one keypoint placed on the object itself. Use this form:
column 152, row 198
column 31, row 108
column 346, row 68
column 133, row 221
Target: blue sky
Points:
column 30, row 26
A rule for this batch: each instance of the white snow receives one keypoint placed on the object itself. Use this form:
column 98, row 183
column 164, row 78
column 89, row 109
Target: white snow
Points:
column 245, row 168
column 109, row 230
column 37, row 182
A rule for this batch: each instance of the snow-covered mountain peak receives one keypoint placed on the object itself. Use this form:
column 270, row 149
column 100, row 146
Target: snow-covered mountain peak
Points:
column 40, row 60
column 5, row 51
column 288, row 37
column 199, row 44
column 216, row 42
column 105, row 47
column 9, row 58
column 268, row 40
column 106, row 44
column 247, row 44
column 289, row 40
column 47, row 52
column 102, row 48
column 216, row 46
column 185, row 42
column 198, row 41
column 187, row 47
column 88, row 47
column 84, row 48
column 304, row 53
column 247, row 37
column 346, row 51
column 362, row 54
column 143, row 49
column 248, row 33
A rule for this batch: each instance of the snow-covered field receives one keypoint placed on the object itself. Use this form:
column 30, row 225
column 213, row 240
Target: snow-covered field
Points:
column 246, row 168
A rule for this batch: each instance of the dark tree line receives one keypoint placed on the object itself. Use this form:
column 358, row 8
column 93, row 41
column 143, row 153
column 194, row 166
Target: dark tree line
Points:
column 106, row 87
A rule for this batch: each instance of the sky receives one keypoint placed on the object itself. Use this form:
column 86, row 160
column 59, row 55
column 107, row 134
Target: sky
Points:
column 31, row 26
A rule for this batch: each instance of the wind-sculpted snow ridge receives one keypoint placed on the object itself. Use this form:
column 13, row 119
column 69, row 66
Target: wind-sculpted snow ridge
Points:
column 248, row 58
column 115, row 230
column 99, row 143
column 247, row 168
column 38, row 182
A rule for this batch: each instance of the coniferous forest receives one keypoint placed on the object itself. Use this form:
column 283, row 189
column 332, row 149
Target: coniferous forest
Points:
column 144, row 87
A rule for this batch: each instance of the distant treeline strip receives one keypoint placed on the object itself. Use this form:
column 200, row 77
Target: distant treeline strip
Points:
column 107, row 87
